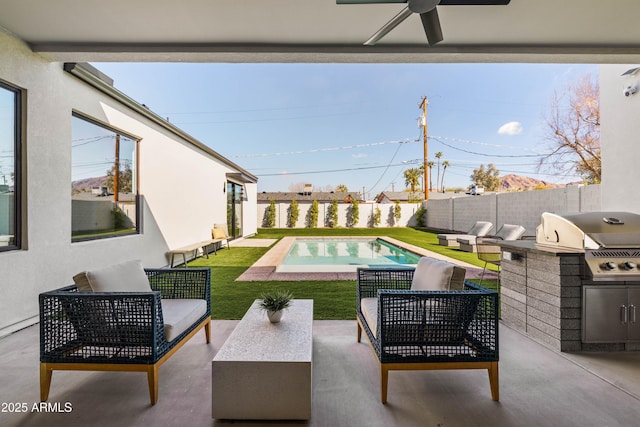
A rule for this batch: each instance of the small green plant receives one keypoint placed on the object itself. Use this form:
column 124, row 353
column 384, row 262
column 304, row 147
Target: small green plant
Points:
column 294, row 213
column 271, row 214
column 353, row 214
column 118, row 218
column 421, row 214
column 397, row 212
column 332, row 214
column 276, row 300
column 377, row 217
column 312, row 215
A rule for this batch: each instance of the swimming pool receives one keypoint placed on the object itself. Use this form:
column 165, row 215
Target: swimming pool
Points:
column 343, row 255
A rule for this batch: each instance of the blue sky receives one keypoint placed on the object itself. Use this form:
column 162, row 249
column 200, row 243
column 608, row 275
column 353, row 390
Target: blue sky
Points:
column 356, row 124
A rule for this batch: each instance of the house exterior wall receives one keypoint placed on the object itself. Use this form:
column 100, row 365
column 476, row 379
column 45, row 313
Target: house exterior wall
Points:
column 178, row 207
column 620, row 136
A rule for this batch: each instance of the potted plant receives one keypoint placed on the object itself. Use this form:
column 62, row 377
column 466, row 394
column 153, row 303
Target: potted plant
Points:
column 274, row 302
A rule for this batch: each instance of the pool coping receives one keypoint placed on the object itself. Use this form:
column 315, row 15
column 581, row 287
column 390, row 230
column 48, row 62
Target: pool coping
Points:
column 265, row 268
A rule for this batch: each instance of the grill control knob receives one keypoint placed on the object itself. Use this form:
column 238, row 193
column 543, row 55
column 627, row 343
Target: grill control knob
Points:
column 628, row 265
column 608, row 266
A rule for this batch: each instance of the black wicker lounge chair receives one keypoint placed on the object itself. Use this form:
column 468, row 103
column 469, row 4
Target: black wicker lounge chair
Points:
column 123, row 331
column 427, row 329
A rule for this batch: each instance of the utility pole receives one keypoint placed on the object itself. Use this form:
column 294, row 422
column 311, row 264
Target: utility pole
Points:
column 423, row 124
column 116, row 171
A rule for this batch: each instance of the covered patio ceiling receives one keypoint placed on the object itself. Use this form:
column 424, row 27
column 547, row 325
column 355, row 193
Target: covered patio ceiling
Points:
column 592, row 31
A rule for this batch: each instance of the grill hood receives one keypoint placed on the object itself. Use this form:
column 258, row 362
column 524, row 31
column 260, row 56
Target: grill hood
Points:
column 589, row 230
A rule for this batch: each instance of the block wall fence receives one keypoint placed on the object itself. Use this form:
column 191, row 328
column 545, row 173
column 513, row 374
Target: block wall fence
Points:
column 458, row 213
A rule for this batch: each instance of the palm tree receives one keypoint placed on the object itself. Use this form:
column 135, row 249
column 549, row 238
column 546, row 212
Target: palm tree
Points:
column 412, row 178
column 445, row 164
column 341, row 188
column 438, row 155
column 430, row 165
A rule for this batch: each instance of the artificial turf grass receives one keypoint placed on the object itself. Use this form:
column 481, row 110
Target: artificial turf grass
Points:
column 333, row 299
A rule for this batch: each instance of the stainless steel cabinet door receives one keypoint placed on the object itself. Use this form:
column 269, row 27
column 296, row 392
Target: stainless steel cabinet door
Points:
column 605, row 314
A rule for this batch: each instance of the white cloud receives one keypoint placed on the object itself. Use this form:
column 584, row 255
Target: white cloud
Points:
column 511, row 128
column 359, row 156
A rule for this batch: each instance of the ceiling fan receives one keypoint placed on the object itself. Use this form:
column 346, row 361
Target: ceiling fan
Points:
column 428, row 14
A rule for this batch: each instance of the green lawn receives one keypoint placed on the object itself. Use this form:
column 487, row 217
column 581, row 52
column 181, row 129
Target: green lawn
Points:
column 332, row 299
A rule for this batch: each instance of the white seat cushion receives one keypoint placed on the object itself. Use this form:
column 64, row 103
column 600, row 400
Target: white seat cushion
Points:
column 126, row 277
column 180, row 314
column 435, row 275
column 369, row 307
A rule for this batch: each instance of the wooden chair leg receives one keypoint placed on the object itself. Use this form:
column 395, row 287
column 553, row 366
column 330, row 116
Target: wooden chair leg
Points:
column 207, row 331
column 152, row 378
column 359, row 331
column 494, row 381
column 45, row 381
column 384, row 382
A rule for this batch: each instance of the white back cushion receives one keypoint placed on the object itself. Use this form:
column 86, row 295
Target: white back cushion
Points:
column 481, row 228
column 510, row 232
column 432, row 275
column 126, row 277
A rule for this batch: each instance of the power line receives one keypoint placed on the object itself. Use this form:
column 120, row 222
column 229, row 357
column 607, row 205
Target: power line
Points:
column 319, row 150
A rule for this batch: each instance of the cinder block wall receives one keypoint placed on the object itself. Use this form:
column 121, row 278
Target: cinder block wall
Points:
column 522, row 208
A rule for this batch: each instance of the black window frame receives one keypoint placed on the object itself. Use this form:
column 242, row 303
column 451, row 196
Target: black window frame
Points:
column 17, row 166
column 137, row 196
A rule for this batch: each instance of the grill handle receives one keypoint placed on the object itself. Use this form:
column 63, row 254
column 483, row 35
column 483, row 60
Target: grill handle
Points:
column 624, row 314
column 632, row 313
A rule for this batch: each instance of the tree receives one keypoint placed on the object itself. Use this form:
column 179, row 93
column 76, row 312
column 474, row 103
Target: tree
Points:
column 271, row 214
column 294, row 213
column 438, row 155
column 312, row 215
column 430, row 165
column 375, row 218
column 397, row 212
column 353, row 214
column 332, row 214
column 124, row 179
column 573, row 130
column 489, row 178
column 445, row 165
column 412, row 178
column 341, row 188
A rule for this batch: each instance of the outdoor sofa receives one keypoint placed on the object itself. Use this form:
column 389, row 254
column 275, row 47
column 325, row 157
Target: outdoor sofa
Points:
column 480, row 228
column 428, row 318
column 122, row 318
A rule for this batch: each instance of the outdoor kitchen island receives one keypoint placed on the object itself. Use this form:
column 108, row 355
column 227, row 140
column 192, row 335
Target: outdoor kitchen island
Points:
column 577, row 286
column 541, row 293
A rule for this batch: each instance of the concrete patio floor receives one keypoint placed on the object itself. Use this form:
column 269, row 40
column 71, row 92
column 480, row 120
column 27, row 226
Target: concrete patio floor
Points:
column 538, row 387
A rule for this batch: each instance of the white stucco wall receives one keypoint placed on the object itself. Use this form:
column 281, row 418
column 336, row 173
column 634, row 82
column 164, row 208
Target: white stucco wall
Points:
column 181, row 185
column 364, row 218
column 620, row 139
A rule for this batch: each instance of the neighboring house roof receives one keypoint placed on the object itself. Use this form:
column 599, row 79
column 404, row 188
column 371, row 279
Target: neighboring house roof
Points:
column 320, row 196
column 400, row 196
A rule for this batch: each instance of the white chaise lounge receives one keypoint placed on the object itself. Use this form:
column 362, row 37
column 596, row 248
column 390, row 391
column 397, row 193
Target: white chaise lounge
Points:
column 480, row 228
column 506, row 232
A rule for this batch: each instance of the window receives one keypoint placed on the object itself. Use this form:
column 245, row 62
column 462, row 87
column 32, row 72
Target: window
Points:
column 104, row 196
column 10, row 176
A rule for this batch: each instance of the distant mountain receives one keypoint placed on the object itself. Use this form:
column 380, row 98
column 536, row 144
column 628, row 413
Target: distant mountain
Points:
column 85, row 184
column 514, row 182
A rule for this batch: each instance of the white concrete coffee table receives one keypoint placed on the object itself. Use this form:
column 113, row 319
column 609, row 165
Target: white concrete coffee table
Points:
column 263, row 370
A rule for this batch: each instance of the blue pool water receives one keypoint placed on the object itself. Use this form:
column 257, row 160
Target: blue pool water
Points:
column 343, row 255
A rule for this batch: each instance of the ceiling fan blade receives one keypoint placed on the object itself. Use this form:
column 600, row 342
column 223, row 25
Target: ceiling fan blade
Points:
column 395, row 21
column 432, row 28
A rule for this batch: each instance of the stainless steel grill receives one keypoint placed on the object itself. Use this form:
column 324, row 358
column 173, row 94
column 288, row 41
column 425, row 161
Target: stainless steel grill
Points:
column 610, row 241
